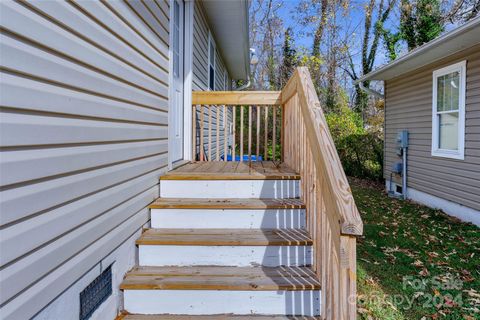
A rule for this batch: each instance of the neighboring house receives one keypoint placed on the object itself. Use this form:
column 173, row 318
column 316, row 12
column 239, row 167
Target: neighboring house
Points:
column 434, row 93
column 87, row 91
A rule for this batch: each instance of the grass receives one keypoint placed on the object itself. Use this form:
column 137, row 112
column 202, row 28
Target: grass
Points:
column 414, row 262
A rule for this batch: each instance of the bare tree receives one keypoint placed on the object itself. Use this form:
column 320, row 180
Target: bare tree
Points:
column 463, row 11
column 372, row 34
column 265, row 33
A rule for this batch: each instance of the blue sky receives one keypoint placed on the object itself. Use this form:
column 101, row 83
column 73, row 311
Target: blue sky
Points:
column 354, row 22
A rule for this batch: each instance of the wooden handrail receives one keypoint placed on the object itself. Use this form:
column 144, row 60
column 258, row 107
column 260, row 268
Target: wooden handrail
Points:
column 232, row 98
column 333, row 219
column 325, row 154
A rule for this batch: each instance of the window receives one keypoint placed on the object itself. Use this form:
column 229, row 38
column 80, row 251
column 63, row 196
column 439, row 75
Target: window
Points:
column 176, row 39
column 211, row 63
column 225, row 80
column 448, row 113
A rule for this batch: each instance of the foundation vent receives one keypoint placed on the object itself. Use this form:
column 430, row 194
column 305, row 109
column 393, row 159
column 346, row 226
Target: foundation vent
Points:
column 95, row 294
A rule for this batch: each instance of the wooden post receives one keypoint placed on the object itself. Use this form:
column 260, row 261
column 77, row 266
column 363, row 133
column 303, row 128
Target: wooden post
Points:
column 274, row 133
column 217, row 153
column 257, row 108
column 202, row 156
column 249, row 133
column 241, row 133
column 194, row 133
column 265, row 143
column 209, row 133
column 234, row 142
column 225, row 133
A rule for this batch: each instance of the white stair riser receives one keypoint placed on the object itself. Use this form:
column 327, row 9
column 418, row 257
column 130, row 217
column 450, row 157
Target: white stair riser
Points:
column 208, row 302
column 229, row 189
column 228, row 218
column 241, row 256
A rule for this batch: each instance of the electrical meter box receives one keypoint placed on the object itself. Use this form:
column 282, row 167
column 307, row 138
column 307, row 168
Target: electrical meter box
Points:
column 402, row 139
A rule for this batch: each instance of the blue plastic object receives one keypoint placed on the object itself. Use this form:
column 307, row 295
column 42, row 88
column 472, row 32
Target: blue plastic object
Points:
column 245, row 158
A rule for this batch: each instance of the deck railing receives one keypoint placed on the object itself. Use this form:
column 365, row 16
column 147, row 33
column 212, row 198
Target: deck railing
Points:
column 332, row 216
column 307, row 147
column 219, row 131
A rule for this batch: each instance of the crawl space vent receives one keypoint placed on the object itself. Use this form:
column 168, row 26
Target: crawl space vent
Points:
column 95, row 294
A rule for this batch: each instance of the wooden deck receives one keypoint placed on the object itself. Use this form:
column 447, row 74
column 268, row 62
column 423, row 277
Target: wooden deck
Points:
column 210, row 317
column 228, row 170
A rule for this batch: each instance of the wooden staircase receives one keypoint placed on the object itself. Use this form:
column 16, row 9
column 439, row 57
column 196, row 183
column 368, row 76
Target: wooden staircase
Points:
column 240, row 240
column 225, row 250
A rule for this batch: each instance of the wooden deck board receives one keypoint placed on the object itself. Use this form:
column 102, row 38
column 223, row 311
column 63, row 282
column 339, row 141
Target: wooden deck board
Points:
column 195, row 203
column 226, row 237
column 210, row 317
column 221, row 278
column 220, row 170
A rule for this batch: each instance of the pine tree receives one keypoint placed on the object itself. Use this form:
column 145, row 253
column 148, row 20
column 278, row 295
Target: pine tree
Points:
column 289, row 57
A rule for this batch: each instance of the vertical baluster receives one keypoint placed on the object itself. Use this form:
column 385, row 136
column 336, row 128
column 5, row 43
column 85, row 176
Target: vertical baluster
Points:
column 249, row 133
column 217, row 152
column 225, row 133
column 265, row 144
column 241, row 133
column 194, row 137
column 282, row 133
column 274, row 135
column 234, row 140
column 257, row 108
column 202, row 155
column 209, row 133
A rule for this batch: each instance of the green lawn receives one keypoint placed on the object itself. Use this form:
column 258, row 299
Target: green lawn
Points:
column 414, row 262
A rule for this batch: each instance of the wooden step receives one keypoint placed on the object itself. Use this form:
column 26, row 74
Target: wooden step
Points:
column 225, row 203
column 228, row 214
column 226, row 237
column 219, row 170
column 209, row 317
column 221, row 188
column 221, row 278
column 205, row 290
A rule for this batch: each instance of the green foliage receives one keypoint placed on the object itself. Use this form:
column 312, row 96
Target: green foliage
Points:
column 392, row 43
column 420, row 22
column 289, row 56
column 360, row 150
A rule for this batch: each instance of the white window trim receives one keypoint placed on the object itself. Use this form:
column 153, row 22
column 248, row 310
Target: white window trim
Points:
column 211, row 41
column 436, row 152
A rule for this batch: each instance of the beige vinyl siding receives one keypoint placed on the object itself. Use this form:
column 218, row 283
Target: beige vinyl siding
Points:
column 84, row 110
column 409, row 106
column 200, row 79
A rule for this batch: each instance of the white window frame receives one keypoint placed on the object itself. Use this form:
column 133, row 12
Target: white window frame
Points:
column 211, row 41
column 445, row 153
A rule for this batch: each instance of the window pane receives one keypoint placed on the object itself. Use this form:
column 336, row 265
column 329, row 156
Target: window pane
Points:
column 212, row 54
column 440, row 93
column 448, row 131
column 176, row 39
column 176, row 65
column 176, row 13
column 212, row 78
column 448, row 89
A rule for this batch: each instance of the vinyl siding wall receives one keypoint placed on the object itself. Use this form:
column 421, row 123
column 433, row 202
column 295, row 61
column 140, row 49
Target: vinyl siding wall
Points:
column 200, row 81
column 84, row 109
column 409, row 106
